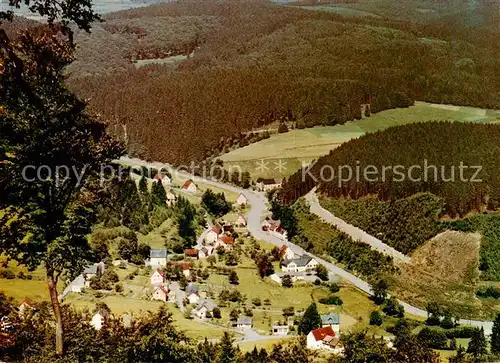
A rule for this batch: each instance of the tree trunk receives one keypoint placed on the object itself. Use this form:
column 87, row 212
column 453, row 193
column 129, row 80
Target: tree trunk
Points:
column 54, row 299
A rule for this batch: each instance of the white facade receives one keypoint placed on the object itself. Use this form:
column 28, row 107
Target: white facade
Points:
column 241, row 200
column 193, row 298
column 157, row 278
column 296, row 267
column 158, row 261
column 160, row 294
column 211, row 237
column 190, row 187
column 281, row 330
column 186, row 272
column 241, row 221
column 97, row 321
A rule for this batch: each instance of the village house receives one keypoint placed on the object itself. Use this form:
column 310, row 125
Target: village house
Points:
column 171, row 199
column 158, row 258
column 193, row 297
column 158, row 277
column 164, row 179
column 213, row 234
column 332, row 320
column 186, row 270
column 26, row 304
column 274, row 227
column 204, row 307
column 241, row 221
column 160, row 293
column 77, row 285
column 126, row 320
column 191, row 253
column 281, row 330
column 266, row 185
column 286, row 253
column 301, row 264
column 241, row 200
column 226, row 242
column 205, row 252
column 189, row 186
column 322, row 338
column 244, row 323
column 96, row 269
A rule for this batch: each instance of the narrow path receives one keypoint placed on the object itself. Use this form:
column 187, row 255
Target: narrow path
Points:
column 354, row 232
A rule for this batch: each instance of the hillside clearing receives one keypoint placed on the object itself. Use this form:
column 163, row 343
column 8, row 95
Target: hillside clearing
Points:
column 302, row 146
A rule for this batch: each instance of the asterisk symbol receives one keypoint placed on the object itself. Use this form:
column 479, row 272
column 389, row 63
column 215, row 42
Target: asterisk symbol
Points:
column 261, row 165
column 280, row 165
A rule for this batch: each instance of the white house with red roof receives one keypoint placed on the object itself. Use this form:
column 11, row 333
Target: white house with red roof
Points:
column 186, row 270
column 213, row 234
column 164, row 179
column 226, row 242
column 189, row 186
column 160, row 293
column 286, row 253
column 322, row 338
column 158, row 277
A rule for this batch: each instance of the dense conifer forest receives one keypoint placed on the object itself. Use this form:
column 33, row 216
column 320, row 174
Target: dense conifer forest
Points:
column 250, row 63
column 437, row 149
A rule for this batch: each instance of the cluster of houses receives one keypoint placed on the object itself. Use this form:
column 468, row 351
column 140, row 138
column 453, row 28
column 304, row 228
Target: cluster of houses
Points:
column 274, row 227
column 83, row 280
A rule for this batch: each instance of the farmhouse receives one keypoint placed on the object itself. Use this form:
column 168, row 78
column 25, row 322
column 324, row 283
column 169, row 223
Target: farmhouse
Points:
column 244, row 323
column 333, row 321
column 164, row 179
column 158, row 258
column 322, row 338
column 189, row 186
column 265, row 185
column 281, row 330
column 158, row 277
column 96, row 269
column 193, row 297
column 204, row 307
column 241, row 221
column 76, row 285
column 301, row 264
column 160, row 293
column 213, row 234
column 241, row 200
column 26, row 304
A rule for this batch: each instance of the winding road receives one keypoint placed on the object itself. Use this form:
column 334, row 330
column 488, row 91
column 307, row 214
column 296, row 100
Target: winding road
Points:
column 259, row 207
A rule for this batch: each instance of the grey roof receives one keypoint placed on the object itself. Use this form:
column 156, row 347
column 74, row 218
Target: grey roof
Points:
column 191, row 288
column 330, row 319
column 209, row 304
column 301, row 261
column 244, row 321
column 158, row 254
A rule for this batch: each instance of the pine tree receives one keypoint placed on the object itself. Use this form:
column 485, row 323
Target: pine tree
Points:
column 158, row 194
column 233, row 278
column 227, row 352
column 478, row 345
column 495, row 336
column 311, row 320
column 143, row 189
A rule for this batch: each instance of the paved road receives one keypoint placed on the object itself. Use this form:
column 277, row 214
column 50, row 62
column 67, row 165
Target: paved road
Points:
column 259, row 208
column 179, row 295
column 354, row 232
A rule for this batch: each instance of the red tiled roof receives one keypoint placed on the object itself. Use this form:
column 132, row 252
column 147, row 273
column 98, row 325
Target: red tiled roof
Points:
column 185, row 266
column 217, row 228
column 159, row 177
column 322, row 333
column 227, row 240
column 283, row 250
column 191, row 252
column 187, row 184
column 160, row 272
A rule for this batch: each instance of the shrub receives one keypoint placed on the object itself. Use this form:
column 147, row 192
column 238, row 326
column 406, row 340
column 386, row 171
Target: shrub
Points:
column 256, row 301
column 434, row 339
column 334, row 288
column 375, row 318
column 119, row 288
column 331, row 300
column 317, row 282
column 7, row 274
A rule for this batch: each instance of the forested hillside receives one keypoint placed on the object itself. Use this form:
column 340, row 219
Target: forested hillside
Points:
column 435, row 149
column 249, row 63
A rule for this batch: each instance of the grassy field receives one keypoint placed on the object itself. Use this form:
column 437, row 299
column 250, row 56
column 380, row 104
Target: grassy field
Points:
column 265, row 344
column 301, row 146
